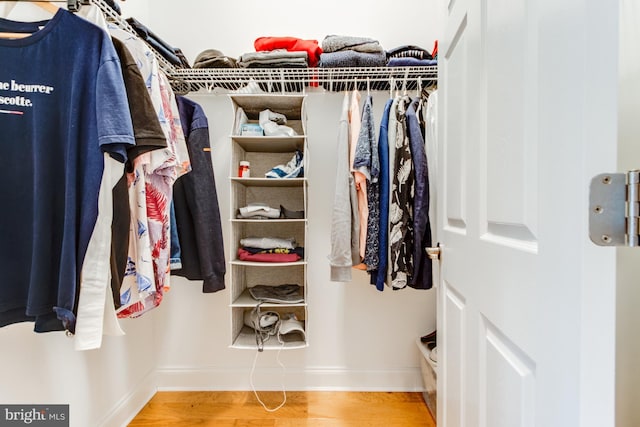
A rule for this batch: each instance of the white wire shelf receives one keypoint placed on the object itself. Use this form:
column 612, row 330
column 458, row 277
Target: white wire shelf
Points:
column 287, row 80
column 283, row 80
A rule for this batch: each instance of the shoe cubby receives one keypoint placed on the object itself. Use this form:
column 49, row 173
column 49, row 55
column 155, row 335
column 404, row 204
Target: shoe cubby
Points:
column 289, row 195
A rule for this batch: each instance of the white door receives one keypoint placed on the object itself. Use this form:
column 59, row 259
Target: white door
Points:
column 526, row 310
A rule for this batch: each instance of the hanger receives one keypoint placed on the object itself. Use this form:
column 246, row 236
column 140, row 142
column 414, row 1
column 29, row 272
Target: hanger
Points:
column 404, row 83
column 48, row 6
column 74, row 5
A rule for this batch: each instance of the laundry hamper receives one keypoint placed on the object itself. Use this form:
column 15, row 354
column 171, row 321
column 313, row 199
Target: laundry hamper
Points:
column 428, row 370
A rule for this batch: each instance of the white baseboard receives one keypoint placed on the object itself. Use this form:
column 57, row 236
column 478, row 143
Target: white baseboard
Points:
column 129, row 406
column 183, row 379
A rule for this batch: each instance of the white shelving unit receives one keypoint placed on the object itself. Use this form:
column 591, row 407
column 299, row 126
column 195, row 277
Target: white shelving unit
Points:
column 263, row 153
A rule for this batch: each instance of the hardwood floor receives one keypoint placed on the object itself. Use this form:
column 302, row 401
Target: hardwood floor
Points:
column 322, row 409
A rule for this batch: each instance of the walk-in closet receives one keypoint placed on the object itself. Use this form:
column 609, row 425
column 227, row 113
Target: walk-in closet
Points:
column 418, row 199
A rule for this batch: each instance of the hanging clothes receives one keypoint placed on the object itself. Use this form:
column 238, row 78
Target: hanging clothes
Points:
column 54, row 206
column 379, row 275
column 341, row 256
column 150, row 182
column 360, row 176
column 93, row 323
column 401, row 238
column 197, row 215
column 96, row 305
column 159, row 189
column 421, row 276
column 357, row 185
column 367, row 163
column 431, row 147
column 149, row 136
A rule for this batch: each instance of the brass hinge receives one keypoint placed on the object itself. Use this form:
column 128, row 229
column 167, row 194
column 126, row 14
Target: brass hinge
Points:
column 614, row 209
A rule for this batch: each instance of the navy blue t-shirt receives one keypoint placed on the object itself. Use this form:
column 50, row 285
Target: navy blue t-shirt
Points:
column 62, row 105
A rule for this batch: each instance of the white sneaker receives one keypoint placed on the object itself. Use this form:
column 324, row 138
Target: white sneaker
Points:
column 291, row 329
column 433, row 355
column 293, row 169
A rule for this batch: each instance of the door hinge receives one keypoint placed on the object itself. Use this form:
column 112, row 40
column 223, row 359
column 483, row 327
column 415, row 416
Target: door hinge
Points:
column 614, row 208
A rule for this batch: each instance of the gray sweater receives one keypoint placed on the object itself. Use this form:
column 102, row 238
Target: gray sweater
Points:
column 335, row 43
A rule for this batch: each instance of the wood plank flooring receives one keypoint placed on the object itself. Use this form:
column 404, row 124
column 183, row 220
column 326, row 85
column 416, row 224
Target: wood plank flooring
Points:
column 322, row 409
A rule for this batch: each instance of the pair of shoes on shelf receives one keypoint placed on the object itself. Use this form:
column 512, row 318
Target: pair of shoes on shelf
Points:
column 430, row 340
column 269, row 323
column 433, row 355
column 291, row 329
column 293, row 169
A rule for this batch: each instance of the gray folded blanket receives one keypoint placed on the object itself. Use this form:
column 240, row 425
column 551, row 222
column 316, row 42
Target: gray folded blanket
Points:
column 349, row 58
column 287, row 293
column 335, row 43
column 273, row 56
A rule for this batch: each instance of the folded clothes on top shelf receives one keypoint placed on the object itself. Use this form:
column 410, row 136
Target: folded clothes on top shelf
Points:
column 411, row 62
column 409, row 51
column 275, row 58
column 213, row 58
column 337, row 43
column 291, row 44
column 349, row 58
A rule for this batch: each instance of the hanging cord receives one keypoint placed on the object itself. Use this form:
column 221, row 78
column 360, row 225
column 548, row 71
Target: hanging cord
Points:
column 263, row 333
column 253, row 387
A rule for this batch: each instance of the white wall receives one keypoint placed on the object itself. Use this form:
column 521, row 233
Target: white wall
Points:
column 232, row 27
column 359, row 338
column 101, row 387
